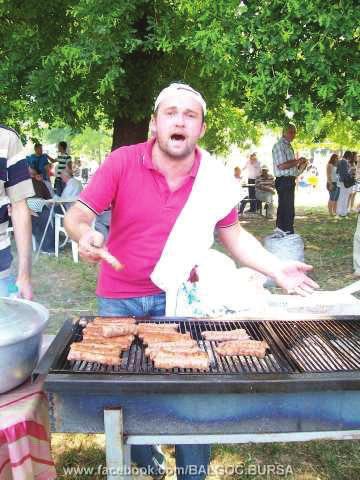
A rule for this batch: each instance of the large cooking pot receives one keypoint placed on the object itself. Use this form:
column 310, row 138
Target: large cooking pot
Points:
column 21, row 326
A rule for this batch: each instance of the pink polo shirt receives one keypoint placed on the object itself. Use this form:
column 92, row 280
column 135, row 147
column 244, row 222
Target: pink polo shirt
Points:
column 144, row 211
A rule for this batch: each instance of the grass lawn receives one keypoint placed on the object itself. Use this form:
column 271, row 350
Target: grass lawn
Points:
column 68, row 289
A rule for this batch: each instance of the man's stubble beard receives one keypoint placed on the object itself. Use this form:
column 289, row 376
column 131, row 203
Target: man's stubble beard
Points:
column 176, row 155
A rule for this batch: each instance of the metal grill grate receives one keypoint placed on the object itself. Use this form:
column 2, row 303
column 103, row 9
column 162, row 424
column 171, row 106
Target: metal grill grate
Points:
column 294, row 347
column 324, row 346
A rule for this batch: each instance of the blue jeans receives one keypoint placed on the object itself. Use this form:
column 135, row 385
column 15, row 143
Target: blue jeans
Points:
column 4, row 285
column 148, row 456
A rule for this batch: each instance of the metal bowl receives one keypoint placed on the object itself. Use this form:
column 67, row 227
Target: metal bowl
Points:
column 21, row 327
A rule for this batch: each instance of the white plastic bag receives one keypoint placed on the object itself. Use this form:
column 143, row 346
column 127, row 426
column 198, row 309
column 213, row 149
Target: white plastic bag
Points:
column 222, row 289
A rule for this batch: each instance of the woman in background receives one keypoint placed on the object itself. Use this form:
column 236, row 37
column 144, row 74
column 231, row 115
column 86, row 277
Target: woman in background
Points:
column 332, row 183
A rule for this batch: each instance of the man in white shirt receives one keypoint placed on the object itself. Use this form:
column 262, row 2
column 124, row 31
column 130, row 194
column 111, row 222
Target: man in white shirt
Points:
column 253, row 171
column 72, row 189
column 286, row 169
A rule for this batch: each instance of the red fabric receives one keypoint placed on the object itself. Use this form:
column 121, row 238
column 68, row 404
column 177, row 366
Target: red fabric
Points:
column 144, row 211
column 24, row 434
column 15, row 432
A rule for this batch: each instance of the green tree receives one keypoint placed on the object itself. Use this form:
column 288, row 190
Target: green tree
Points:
column 330, row 131
column 95, row 62
column 92, row 143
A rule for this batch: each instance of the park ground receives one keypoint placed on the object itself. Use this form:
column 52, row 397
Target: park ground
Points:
column 67, row 290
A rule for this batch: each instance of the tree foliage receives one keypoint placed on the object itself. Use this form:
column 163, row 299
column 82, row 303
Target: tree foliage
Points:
column 95, row 62
column 228, row 125
column 331, row 131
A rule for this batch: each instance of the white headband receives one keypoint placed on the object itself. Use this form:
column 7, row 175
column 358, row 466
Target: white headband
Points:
column 173, row 88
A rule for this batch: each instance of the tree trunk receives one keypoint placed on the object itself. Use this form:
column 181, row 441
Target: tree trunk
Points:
column 127, row 132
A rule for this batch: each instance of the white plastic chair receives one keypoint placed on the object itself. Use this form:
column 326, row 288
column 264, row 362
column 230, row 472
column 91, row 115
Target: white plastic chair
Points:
column 59, row 227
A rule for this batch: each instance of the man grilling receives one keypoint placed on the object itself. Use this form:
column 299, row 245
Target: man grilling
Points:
column 167, row 197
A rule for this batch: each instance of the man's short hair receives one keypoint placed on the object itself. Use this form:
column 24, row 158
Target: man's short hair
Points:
column 37, row 145
column 288, row 126
column 63, row 145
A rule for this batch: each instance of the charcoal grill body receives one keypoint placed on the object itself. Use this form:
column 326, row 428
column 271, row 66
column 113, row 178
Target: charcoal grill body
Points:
column 204, row 408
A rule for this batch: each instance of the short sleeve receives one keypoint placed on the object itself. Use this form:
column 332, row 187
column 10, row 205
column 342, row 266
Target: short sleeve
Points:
column 103, row 186
column 229, row 220
column 18, row 185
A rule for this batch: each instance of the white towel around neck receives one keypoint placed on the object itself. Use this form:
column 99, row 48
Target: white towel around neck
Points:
column 215, row 192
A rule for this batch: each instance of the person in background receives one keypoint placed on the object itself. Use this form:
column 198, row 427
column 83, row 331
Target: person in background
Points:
column 354, row 188
column 72, row 189
column 237, row 173
column 76, row 168
column 332, row 179
column 238, row 178
column 253, row 170
column 286, row 169
column 40, row 213
column 344, row 172
column 16, row 186
column 102, row 223
column 148, row 186
column 40, row 189
column 42, row 163
column 73, row 186
column 265, row 189
column 63, row 161
column 85, row 175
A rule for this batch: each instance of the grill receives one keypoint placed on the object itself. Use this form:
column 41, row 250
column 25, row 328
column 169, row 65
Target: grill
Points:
column 298, row 349
column 307, row 387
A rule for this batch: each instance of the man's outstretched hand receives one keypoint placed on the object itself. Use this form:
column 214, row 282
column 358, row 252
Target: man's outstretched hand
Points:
column 292, row 277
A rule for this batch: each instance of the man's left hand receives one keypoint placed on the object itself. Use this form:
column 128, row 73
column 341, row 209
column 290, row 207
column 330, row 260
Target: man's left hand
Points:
column 292, row 277
column 25, row 289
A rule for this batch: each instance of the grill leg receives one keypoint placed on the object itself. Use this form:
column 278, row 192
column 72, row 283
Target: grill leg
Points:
column 118, row 461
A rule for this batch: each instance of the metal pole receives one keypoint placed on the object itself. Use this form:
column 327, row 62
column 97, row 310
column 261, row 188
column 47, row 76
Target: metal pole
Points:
column 45, row 231
column 118, row 461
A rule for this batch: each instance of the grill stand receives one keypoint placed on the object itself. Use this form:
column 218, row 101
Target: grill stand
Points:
column 198, row 418
column 286, row 405
column 118, row 461
column 118, row 447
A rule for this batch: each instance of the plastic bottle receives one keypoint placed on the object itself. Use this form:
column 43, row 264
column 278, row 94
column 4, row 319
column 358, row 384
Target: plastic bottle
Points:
column 13, row 291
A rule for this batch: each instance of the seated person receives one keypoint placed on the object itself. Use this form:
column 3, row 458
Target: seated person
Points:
column 40, row 188
column 264, row 190
column 72, row 189
column 102, row 222
column 40, row 213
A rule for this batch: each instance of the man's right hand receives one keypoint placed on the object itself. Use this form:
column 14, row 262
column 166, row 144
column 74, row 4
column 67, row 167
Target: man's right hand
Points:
column 89, row 246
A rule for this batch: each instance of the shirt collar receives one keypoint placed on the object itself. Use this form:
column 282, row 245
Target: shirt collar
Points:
column 148, row 163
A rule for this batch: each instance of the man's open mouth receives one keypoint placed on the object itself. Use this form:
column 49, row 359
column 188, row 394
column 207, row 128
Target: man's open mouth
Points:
column 176, row 137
